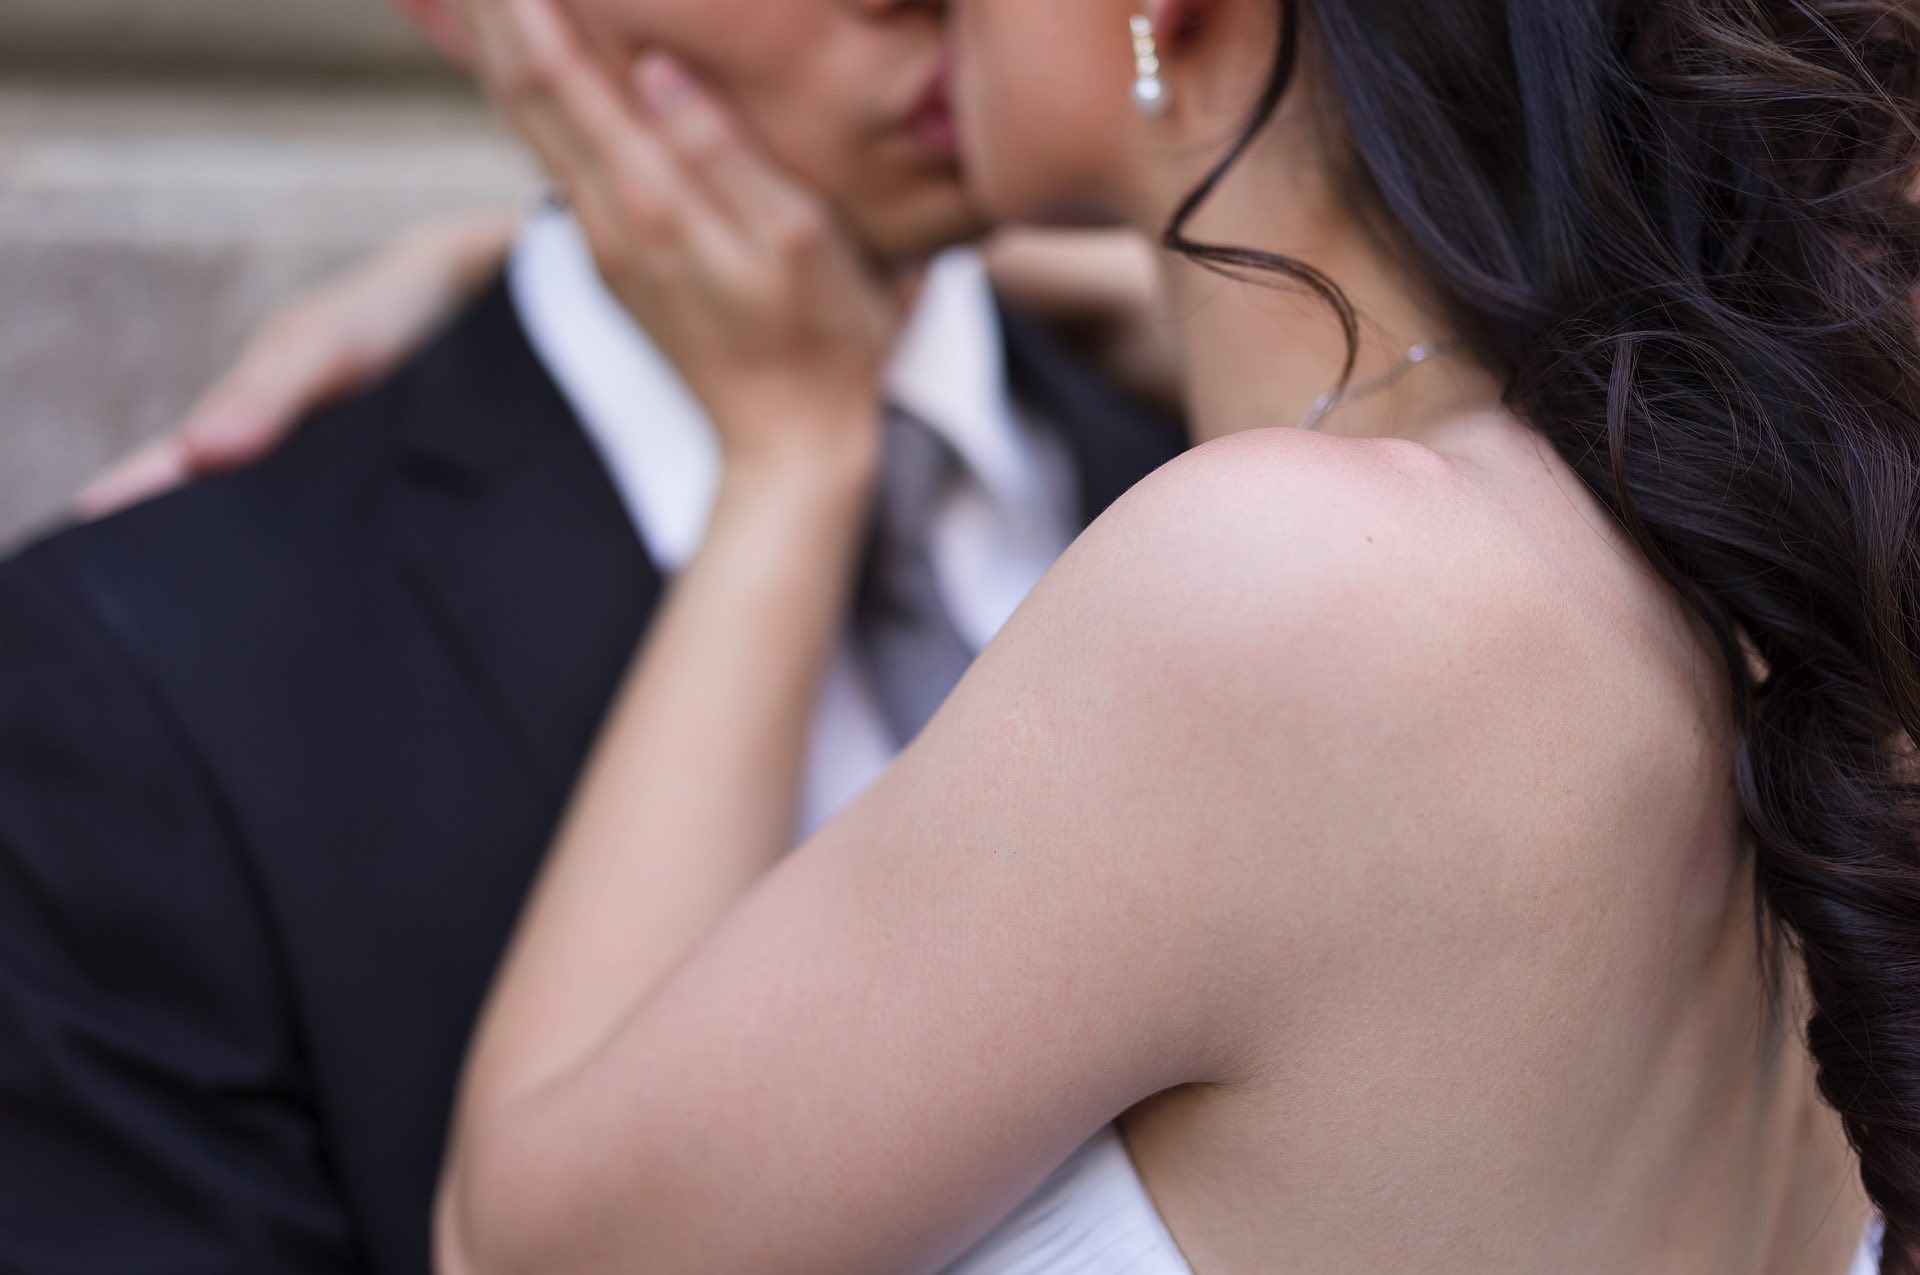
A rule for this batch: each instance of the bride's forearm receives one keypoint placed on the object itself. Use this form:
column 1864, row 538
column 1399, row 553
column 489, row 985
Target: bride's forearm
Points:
column 777, row 322
column 691, row 793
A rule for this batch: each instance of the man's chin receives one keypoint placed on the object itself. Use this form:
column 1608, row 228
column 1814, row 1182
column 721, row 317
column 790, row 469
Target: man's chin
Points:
column 912, row 237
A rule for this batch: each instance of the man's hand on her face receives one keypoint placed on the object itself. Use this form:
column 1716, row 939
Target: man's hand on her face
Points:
column 343, row 336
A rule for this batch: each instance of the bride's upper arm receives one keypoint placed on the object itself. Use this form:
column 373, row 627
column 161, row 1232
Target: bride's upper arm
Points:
column 1069, row 894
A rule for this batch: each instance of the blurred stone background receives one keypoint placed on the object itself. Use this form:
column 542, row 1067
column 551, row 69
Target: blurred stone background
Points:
column 172, row 169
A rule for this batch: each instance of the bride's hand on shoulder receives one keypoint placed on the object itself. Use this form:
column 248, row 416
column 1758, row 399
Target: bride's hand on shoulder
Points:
column 332, row 341
column 745, row 280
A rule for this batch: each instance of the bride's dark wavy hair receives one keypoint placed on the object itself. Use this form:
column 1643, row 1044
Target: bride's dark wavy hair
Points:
column 1684, row 232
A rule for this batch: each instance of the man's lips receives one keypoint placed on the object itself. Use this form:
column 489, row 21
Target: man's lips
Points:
column 931, row 119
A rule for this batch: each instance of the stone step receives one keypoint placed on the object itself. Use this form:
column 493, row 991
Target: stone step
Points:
column 361, row 37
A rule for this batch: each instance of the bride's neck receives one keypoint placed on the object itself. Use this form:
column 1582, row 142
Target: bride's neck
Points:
column 1262, row 353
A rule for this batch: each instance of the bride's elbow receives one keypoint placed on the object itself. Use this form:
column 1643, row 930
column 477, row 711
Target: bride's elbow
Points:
column 490, row 1216
column 467, row 1238
column 520, row 1198
column 452, row 1244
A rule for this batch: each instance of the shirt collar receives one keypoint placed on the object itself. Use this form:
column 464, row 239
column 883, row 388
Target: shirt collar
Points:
column 949, row 370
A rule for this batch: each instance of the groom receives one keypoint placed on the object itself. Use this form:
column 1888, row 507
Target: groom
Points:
column 279, row 754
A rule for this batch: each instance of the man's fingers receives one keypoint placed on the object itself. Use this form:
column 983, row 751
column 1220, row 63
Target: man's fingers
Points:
column 155, row 468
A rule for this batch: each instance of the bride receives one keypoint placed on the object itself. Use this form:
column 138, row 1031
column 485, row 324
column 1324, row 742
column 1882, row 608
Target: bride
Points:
column 1476, row 831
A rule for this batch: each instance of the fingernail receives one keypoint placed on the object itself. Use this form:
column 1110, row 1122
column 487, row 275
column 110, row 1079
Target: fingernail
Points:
column 663, row 81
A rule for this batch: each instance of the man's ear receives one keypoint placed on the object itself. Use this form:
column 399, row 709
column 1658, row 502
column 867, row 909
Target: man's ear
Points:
column 438, row 21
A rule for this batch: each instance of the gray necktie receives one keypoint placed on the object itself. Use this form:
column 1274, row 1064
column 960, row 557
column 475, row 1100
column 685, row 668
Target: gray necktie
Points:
column 912, row 648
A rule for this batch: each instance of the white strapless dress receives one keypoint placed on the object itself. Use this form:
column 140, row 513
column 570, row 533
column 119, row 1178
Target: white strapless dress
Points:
column 1094, row 1217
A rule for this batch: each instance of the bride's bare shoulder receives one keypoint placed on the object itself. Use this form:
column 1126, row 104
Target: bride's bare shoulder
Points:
column 1279, row 600
column 1286, row 680
column 1276, row 533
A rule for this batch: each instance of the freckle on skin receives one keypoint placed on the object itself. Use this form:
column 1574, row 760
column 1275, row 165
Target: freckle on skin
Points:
column 1018, row 725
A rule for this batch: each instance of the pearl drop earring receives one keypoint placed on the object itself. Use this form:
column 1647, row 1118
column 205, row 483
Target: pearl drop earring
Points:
column 1149, row 91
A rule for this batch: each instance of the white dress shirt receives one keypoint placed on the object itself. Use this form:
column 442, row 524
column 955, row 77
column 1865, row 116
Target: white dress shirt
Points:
column 999, row 529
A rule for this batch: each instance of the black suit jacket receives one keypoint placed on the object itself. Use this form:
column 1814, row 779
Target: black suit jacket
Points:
column 278, row 757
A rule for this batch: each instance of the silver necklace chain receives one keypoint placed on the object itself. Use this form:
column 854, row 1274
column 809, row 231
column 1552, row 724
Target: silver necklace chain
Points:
column 1333, row 400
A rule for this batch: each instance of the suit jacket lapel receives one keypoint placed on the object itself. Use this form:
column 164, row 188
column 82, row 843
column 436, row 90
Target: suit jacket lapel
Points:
column 518, row 546
column 1116, row 440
